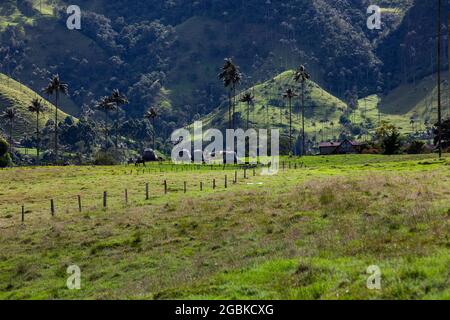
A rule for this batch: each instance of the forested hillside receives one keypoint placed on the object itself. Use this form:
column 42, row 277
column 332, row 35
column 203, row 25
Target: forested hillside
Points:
column 168, row 53
column 16, row 95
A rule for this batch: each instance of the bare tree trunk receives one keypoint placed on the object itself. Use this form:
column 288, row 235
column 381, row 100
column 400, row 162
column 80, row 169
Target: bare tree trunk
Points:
column 439, row 81
column 229, row 109
column 234, row 106
column 11, row 125
column 106, row 131
column 37, row 139
column 56, row 126
column 154, row 143
column 303, row 119
column 116, row 129
column 290, row 125
column 248, row 114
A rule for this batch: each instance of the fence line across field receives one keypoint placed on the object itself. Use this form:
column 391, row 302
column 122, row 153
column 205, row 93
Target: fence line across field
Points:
column 111, row 199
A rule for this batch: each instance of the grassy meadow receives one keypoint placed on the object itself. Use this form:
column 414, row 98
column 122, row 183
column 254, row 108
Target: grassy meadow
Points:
column 309, row 232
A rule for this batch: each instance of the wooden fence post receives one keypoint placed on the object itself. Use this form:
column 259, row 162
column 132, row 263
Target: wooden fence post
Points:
column 201, row 186
column 235, row 177
column 226, row 182
column 185, row 187
column 79, row 203
column 165, row 186
column 104, row 199
column 52, row 207
column 146, row 191
column 214, row 183
column 126, row 196
column 23, row 214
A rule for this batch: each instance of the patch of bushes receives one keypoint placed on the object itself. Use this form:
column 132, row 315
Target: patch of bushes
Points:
column 104, row 159
column 5, row 158
column 416, row 147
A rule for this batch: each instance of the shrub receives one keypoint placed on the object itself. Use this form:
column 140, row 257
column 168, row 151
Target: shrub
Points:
column 3, row 146
column 104, row 159
column 5, row 159
column 416, row 147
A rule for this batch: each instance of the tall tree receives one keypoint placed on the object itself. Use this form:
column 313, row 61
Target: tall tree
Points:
column 231, row 77
column 56, row 87
column 37, row 107
column 248, row 98
column 439, row 133
column 151, row 115
column 119, row 100
column 105, row 105
column 301, row 76
column 290, row 94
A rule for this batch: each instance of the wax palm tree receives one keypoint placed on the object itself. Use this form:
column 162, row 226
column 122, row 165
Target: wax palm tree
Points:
column 56, row 87
column 105, row 105
column 118, row 99
column 37, row 107
column 151, row 115
column 290, row 94
column 439, row 53
column 236, row 81
column 231, row 77
column 248, row 98
column 301, row 76
column 11, row 115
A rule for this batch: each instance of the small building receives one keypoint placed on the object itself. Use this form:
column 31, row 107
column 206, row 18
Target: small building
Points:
column 343, row 147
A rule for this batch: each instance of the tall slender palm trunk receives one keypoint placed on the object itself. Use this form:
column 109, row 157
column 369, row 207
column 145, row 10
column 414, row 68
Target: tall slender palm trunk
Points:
column 234, row 107
column 248, row 115
column 116, row 129
column 153, row 131
column 11, row 125
column 38, row 142
column 303, row 120
column 439, row 81
column 56, row 126
column 106, row 130
column 230, row 107
column 290, row 125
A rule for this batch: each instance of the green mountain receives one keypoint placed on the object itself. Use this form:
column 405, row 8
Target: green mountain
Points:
column 145, row 46
column 167, row 54
column 324, row 111
column 270, row 109
column 14, row 94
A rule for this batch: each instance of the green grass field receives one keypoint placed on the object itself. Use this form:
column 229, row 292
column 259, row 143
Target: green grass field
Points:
column 309, row 232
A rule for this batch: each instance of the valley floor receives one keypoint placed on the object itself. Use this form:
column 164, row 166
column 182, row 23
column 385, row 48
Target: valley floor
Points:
column 310, row 232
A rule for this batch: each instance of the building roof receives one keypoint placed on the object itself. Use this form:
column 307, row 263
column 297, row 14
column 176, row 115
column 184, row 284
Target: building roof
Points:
column 329, row 144
column 337, row 144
